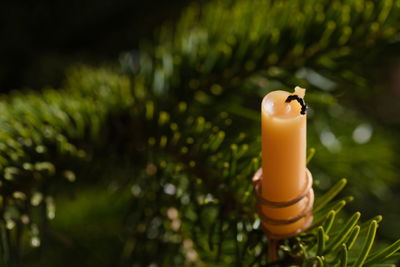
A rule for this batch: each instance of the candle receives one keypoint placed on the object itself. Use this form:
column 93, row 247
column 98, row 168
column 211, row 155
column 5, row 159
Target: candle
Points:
column 284, row 125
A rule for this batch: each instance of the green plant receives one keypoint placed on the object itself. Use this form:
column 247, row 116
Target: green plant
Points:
column 183, row 113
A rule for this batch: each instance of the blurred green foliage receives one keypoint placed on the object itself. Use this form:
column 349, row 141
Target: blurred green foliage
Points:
column 148, row 163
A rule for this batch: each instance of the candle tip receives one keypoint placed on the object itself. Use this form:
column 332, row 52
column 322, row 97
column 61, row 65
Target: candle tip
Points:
column 300, row 91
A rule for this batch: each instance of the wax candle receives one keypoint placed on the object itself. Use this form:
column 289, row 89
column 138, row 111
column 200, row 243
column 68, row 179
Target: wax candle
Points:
column 284, row 125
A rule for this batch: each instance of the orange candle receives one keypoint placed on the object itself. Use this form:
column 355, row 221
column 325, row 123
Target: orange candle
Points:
column 284, row 178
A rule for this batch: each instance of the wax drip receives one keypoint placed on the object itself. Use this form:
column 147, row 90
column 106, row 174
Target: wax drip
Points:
column 301, row 102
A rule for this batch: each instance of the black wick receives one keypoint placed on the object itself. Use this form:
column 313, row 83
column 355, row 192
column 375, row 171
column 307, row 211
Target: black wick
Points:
column 301, row 102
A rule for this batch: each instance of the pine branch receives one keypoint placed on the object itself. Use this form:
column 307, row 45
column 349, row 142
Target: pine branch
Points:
column 201, row 164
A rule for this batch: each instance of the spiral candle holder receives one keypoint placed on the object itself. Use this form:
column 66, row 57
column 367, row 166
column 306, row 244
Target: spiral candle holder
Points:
column 306, row 213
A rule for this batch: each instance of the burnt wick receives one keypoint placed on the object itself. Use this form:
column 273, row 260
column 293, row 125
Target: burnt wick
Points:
column 301, row 102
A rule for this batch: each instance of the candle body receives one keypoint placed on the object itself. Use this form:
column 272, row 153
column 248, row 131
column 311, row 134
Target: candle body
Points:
column 283, row 158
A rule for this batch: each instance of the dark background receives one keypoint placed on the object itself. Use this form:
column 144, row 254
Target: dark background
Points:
column 39, row 39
